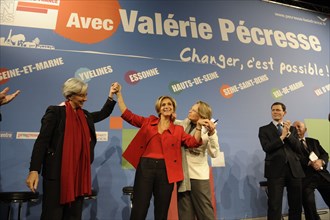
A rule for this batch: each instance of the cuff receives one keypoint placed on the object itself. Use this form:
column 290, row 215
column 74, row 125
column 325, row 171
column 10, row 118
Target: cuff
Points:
column 288, row 135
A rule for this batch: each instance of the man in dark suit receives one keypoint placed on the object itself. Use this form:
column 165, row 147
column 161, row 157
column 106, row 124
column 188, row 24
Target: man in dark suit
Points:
column 317, row 175
column 282, row 164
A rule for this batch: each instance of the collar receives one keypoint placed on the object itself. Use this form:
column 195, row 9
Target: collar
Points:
column 275, row 123
column 155, row 120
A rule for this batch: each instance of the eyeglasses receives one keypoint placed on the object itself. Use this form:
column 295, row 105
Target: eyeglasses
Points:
column 81, row 95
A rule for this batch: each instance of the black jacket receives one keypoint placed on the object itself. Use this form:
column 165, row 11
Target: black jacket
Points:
column 47, row 150
column 278, row 154
column 314, row 145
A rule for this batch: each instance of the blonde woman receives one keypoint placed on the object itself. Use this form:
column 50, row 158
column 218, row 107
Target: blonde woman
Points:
column 194, row 193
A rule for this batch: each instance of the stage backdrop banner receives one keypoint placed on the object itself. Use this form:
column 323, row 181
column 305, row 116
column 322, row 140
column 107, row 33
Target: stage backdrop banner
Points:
column 238, row 56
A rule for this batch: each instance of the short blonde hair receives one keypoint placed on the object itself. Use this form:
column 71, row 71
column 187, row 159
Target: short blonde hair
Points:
column 204, row 110
column 159, row 101
column 74, row 86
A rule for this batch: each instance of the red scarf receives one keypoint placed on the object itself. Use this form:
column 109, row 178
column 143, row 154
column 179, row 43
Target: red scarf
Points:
column 76, row 168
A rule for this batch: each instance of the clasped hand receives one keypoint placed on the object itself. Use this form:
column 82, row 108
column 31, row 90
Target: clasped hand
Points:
column 208, row 124
column 114, row 89
column 317, row 164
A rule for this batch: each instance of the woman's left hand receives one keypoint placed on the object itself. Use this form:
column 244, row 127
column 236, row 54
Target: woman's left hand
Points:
column 114, row 89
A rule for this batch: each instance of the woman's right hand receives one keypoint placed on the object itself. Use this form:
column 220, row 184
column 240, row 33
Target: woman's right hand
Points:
column 32, row 180
column 120, row 100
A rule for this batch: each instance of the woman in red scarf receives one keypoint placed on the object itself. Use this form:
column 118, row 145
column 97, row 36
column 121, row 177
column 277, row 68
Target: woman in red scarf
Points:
column 64, row 151
column 155, row 152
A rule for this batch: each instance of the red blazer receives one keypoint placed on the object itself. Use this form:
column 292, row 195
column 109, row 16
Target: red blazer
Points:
column 172, row 140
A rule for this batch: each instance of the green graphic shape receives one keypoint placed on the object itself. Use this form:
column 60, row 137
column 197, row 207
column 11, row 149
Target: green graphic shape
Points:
column 319, row 129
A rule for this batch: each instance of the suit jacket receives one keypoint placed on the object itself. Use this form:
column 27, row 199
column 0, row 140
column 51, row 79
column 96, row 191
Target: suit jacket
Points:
column 172, row 140
column 47, row 149
column 314, row 145
column 279, row 153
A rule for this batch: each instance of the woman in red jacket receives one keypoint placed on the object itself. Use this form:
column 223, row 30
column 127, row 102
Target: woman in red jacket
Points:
column 155, row 153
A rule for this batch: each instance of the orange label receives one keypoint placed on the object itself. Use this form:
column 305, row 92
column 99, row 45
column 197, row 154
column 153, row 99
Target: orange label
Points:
column 88, row 21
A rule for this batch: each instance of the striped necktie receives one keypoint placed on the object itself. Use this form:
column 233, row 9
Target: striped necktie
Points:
column 304, row 144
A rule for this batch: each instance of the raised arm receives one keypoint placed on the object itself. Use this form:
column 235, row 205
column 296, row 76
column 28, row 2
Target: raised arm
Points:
column 120, row 99
column 107, row 107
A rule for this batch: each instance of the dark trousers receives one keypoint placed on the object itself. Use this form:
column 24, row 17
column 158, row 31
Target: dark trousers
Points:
column 309, row 186
column 275, row 196
column 51, row 207
column 151, row 179
column 196, row 202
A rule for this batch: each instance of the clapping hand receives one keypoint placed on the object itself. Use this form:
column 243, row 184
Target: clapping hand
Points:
column 6, row 98
column 286, row 128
